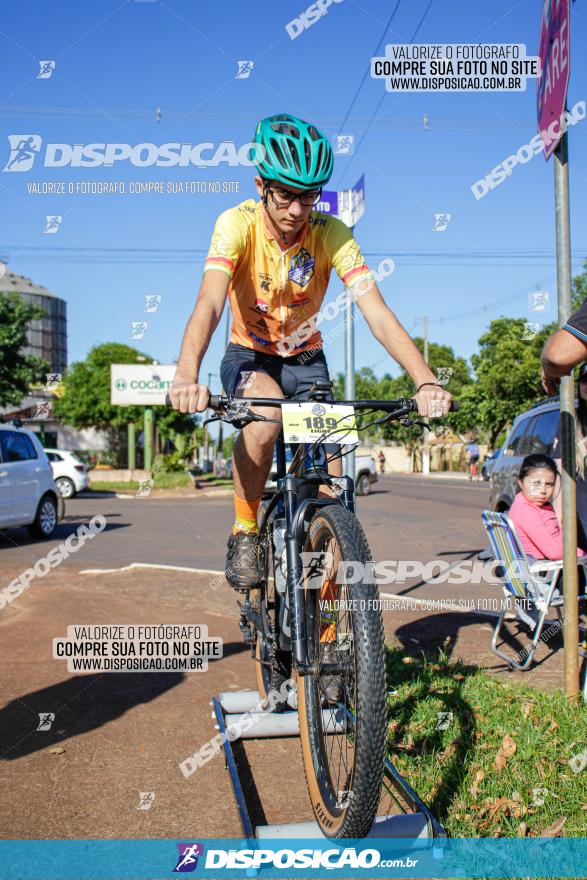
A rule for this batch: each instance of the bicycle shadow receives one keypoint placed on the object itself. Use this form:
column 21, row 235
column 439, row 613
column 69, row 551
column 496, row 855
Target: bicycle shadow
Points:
column 459, row 715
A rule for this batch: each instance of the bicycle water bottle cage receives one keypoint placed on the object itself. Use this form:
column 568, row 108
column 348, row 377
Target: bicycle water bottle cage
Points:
column 320, row 391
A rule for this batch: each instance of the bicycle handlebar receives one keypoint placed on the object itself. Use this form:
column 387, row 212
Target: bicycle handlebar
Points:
column 218, row 401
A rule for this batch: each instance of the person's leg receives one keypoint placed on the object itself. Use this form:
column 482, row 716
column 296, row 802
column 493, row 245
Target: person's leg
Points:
column 252, row 454
column 253, row 449
column 244, row 374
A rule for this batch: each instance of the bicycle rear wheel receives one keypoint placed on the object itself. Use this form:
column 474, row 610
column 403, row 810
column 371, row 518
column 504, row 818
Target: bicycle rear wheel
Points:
column 343, row 744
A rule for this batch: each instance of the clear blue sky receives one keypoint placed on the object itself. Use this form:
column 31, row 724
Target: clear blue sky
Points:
column 117, row 61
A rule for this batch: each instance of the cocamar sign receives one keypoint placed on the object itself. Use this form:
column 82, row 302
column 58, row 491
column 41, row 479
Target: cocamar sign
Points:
column 140, row 384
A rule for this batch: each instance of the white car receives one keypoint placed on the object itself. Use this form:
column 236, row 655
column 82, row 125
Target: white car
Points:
column 28, row 493
column 69, row 471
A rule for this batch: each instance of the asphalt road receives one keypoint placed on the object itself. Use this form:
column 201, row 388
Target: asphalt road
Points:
column 406, row 518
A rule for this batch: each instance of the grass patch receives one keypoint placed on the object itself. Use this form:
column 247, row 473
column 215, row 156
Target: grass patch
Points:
column 114, row 485
column 211, row 480
column 174, row 480
column 501, row 767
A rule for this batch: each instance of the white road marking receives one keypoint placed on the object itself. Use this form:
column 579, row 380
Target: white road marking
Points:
column 151, row 565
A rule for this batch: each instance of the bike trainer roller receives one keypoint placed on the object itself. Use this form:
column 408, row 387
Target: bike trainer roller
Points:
column 414, row 821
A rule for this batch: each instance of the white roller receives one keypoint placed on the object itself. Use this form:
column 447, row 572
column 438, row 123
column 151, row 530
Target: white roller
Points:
column 248, row 701
column 239, row 701
column 410, row 825
column 258, row 724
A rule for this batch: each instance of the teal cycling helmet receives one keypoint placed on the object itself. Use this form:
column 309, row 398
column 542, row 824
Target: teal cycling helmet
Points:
column 295, row 153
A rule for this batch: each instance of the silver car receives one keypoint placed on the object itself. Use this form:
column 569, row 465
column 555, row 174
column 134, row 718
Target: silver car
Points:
column 533, row 431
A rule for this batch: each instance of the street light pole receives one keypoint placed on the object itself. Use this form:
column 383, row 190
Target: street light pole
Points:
column 426, row 442
column 226, row 340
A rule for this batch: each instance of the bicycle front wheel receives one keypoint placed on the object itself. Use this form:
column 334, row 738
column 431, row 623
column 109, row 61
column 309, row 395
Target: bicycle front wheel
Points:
column 342, row 703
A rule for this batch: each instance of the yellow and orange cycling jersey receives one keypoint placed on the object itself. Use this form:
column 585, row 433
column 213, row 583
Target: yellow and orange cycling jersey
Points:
column 273, row 291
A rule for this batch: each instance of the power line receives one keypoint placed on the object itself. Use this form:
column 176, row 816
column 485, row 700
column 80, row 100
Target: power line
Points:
column 329, row 122
column 367, row 69
column 382, row 99
column 450, row 257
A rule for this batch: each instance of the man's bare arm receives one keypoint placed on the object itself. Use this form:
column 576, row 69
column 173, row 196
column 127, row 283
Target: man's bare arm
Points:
column 187, row 394
column 395, row 339
column 562, row 351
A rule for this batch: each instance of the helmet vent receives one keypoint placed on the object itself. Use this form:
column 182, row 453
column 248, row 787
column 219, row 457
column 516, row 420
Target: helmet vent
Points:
column 285, row 127
column 277, row 151
column 294, row 156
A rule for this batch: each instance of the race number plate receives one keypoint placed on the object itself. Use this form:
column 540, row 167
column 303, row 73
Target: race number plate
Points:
column 306, row 422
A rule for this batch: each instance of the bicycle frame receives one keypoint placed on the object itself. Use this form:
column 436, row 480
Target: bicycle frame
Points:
column 295, row 508
column 296, row 505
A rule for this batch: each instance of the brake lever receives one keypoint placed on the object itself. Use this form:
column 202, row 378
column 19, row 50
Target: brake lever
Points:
column 407, row 422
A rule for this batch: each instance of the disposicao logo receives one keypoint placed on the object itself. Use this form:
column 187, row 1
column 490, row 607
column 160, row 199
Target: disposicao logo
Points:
column 187, row 859
column 23, row 151
column 25, row 147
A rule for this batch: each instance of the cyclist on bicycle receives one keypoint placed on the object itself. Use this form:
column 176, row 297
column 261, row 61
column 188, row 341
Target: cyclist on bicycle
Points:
column 273, row 258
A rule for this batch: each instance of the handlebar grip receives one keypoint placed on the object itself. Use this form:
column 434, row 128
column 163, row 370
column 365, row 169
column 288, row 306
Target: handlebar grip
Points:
column 454, row 405
column 213, row 403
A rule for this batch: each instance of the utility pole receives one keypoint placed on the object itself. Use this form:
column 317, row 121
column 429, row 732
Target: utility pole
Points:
column 567, row 423
column 425, row 446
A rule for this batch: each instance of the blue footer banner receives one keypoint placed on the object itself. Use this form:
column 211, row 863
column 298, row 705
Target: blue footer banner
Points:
column 287, row 858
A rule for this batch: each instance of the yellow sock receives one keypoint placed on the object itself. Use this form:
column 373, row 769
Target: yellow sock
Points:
column 245, row 515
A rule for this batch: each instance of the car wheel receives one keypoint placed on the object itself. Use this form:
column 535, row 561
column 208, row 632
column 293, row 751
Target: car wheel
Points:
column 363, row 485
column 65, row 486
column 46, row 519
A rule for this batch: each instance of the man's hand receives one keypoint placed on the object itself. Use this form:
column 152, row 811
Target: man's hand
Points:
column 433, row 401
column 188, row 396
column 562, row 351
column 551, row 384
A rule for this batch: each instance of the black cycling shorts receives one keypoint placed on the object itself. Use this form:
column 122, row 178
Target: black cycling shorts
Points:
column 295, row 375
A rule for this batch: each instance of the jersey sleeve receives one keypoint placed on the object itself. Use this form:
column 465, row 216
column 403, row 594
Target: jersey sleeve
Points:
column 227, row 244
column 345, row 254
column 577, row 323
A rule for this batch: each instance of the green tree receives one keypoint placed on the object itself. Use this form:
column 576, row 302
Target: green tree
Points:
column 17, row 371
column 389, row 388
column 579, row 288
column 507, row 371
column 85, row 402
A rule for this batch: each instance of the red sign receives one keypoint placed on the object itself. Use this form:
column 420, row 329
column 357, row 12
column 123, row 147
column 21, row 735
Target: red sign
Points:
column 551, row 85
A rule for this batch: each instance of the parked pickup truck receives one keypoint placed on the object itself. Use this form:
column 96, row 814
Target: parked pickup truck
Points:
column 365, row 473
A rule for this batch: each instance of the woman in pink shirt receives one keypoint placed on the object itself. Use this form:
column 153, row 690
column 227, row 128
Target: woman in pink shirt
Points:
column 532, row 512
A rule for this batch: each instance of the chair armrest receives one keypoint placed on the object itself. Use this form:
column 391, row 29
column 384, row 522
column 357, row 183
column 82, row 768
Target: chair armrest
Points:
column 546, row 565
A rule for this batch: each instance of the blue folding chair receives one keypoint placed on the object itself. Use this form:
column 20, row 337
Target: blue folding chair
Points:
column 534, row 586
